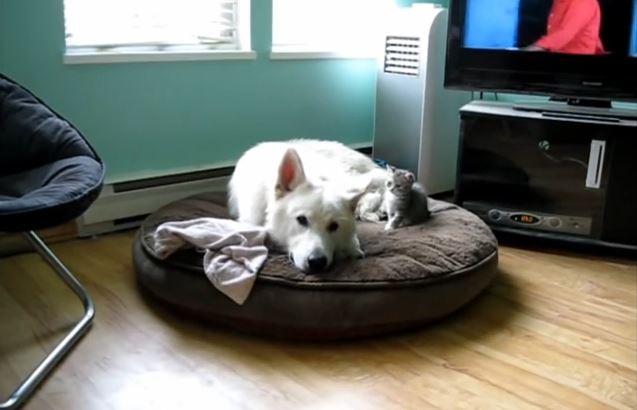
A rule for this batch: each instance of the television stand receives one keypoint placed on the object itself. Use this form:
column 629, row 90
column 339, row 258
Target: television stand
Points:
column 583, row 102
column 580, row 109
column 563, row 174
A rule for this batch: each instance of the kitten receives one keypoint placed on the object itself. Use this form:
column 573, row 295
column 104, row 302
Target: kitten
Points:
column 405, row 200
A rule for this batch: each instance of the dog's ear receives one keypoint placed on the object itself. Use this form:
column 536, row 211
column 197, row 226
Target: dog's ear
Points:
column 291, row 173
column 353, row 197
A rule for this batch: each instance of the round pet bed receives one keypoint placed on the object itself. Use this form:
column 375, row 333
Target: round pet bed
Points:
column 409, row 276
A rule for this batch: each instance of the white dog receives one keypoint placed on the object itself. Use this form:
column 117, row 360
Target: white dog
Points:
column 305, row 193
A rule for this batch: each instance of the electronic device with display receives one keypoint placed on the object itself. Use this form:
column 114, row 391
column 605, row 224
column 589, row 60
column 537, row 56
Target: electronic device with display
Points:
column 570, row 178
column 564, row 168
column 576, row 49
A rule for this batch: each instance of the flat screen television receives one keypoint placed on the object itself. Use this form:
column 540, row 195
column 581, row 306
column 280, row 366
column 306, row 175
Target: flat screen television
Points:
column 573, row 49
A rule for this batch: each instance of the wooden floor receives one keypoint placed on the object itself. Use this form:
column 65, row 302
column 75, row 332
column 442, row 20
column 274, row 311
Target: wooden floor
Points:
column 554, row 331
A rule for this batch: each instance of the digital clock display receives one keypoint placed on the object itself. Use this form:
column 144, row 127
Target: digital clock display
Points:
column 525, row 219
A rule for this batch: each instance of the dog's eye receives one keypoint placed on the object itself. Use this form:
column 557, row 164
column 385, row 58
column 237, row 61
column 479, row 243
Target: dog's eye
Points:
column 332, row 227
column 302, row 220
column 389, row 184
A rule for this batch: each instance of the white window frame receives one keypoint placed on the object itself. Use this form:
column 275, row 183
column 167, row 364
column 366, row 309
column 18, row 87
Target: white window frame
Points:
column 138, row 54
column 282, row 50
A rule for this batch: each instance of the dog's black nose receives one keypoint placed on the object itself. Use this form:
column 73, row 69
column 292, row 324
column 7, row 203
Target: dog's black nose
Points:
column 317, row 263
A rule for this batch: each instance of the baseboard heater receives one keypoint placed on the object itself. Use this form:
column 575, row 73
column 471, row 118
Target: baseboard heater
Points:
column 124, row 205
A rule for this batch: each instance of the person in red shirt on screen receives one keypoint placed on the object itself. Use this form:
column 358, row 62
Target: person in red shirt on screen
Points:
column 573, row 28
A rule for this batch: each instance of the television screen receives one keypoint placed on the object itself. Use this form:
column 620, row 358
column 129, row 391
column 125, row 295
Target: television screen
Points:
column 572, row 48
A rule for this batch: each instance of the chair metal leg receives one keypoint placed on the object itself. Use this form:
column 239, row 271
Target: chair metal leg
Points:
column 36, row 377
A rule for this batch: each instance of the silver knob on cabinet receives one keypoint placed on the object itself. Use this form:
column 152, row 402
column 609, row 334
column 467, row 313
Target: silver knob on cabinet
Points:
column 495, row 214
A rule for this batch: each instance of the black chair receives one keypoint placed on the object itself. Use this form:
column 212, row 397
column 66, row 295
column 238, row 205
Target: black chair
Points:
column 49, row 175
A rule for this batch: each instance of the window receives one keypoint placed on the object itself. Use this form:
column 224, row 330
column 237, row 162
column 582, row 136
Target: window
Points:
column 151, row 27
column 337, row 27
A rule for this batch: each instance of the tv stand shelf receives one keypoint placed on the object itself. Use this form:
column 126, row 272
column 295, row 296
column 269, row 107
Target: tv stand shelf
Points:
column 556, row 108
column 550, row 170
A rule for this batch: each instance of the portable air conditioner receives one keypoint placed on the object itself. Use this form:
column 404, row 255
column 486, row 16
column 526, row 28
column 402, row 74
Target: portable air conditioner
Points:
column 416, row 122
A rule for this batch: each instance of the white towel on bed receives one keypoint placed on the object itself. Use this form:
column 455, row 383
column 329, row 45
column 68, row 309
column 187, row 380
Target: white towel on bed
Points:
column 234, row 251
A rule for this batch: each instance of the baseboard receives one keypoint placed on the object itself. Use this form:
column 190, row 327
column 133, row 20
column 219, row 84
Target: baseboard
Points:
column 123, row 206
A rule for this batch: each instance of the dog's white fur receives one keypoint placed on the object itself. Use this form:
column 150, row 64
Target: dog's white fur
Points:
column 275, row 183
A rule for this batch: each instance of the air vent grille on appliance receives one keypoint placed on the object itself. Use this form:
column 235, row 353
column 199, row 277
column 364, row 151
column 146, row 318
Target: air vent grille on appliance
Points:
column 402, row 55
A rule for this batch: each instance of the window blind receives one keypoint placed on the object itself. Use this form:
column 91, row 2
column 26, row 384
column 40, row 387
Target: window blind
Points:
column 327, row 25
column 108, row 24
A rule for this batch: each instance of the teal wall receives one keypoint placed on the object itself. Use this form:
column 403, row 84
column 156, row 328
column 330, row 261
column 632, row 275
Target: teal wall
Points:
column 156, row 118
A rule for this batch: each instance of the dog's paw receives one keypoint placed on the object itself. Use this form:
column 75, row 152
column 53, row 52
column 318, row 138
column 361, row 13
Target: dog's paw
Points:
column 352, row 251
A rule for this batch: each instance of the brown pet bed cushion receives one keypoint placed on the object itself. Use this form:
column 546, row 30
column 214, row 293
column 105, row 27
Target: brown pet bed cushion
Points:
column 410, row 276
